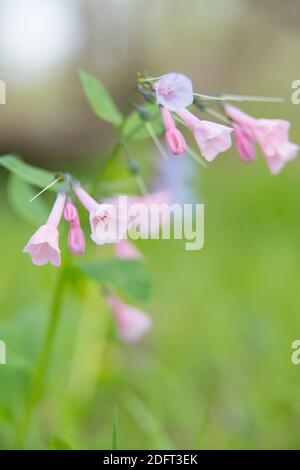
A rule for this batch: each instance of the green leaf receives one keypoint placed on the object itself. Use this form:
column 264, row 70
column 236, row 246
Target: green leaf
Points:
column 58, row 443
column 134, row 127
column 115, row 430
column 99, row 99
column 30, row 174
column 131, row 276
column 19, row 194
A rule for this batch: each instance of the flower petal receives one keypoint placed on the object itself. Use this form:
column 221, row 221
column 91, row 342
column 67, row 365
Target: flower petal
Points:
column 174, row 91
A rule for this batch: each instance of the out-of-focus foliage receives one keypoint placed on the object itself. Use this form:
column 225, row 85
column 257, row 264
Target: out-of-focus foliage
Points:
column 129, row 275
column 28, row 173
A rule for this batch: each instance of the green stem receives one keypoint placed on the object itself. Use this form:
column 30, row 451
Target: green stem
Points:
column 119, row 144
column 40, row 373
column 110, row 156
column 228, row 97
column 105, row 162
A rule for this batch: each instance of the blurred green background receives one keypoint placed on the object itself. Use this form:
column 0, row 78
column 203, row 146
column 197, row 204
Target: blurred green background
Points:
column 215, row 372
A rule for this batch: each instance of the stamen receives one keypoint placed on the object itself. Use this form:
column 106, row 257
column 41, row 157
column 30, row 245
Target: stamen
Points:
column 166, row 91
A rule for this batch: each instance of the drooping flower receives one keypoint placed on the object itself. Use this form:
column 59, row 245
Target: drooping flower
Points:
column 127, row 250
column 174, row 138
column 76, row 238
column 107, row 225
column 244, row 120
column 272, row 135
column 244, row 145
column 174, row 91
column 212, row 138
column 43, row 245
column 132, row 323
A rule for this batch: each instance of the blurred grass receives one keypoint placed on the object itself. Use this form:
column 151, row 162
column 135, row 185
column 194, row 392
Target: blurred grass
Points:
column 214, row 373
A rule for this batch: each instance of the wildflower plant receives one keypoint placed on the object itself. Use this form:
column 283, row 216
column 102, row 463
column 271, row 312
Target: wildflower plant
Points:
column 164, row 105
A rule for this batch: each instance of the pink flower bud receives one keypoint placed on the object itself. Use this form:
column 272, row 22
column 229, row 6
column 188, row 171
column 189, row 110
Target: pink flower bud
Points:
column 175, row 141
column 174, row 138
column 70, row 212
column 76, row 240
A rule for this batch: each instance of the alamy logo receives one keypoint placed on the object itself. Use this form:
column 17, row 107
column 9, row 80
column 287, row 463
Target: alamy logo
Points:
column 296, row 94
column 2, row 92
column 295, row 356
column 2, row 352
column 150, row 221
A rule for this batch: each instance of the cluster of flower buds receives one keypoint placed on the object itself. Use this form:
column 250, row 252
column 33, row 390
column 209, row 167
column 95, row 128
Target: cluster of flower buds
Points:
column 76, row 239
column 174, row 93
column 106, row 227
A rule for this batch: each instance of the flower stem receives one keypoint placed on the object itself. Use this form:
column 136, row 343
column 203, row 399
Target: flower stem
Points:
column 156, row 141
column 110, row 156
column 119, row 144
column 40, row 373
column 227, row 97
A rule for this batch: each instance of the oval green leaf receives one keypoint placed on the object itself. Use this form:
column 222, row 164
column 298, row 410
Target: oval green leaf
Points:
column 99, row 99
column 31, row 174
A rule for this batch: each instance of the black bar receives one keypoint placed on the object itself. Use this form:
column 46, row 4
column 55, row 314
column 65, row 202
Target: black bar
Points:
column 136, row 458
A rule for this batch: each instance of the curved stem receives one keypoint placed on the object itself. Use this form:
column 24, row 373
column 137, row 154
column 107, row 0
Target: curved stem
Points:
column 39, row 375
